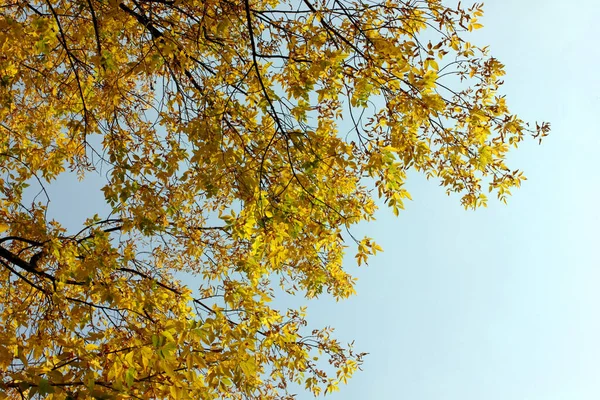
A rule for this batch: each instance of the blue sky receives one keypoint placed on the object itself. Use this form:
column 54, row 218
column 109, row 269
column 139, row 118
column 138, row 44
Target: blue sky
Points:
column 500, row 303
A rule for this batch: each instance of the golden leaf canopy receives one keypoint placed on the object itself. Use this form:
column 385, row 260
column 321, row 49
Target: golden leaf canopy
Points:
column 238, row 141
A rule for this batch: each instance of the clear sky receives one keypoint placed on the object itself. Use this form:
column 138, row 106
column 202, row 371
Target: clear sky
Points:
column 500, row 303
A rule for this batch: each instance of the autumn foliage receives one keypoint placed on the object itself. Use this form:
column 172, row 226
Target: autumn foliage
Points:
column 239, row 140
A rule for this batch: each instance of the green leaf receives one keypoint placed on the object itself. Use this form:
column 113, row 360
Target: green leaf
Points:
column 45, row 387
column 130, row 376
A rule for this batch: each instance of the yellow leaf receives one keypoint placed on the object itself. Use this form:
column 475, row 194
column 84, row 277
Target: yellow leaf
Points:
column 168, row 335
column 91, row 347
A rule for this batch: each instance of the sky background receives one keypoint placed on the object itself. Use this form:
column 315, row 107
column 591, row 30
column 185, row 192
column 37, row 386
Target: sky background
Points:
column 500, row 303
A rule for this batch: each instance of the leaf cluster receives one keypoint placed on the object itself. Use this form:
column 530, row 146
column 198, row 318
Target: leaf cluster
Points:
column 216, row 125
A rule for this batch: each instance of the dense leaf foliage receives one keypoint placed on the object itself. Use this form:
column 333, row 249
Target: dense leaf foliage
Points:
column 215, row 124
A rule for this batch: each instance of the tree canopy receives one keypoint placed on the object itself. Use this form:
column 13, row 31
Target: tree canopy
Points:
column 239, row 140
